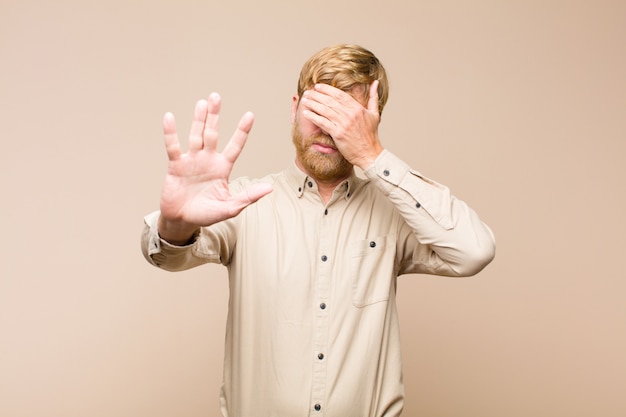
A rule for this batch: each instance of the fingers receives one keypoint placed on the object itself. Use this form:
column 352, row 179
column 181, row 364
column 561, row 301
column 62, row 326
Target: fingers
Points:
column 337, row 100
column 331, row 92
column 238, row 140
column 320, row 121
column 326, row 107
column 197, row 126
column 326, row 100
column 211, row 126
column 204, row 130
column 172, row 145
column 331, row 103
column 205, row 124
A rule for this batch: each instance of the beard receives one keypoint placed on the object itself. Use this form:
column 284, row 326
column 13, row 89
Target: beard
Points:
column 323, row 167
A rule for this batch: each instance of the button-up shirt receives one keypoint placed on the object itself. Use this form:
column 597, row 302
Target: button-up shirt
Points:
column 312, row 324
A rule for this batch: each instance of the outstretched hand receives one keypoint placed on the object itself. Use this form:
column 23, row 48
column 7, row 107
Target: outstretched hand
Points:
column 195, row 192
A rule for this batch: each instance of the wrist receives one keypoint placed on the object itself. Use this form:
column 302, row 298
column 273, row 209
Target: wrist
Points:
column 369, row 159
column 178, row 233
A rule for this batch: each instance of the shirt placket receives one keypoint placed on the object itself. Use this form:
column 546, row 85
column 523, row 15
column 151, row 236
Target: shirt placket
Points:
column 322, row 308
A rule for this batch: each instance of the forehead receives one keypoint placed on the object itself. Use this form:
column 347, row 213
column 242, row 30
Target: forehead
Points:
column 357, row 91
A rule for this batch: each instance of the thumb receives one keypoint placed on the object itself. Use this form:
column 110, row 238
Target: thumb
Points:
column 250, row 195
column 372, row 103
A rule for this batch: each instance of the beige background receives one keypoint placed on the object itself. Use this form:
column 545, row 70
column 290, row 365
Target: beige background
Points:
column 518, row 106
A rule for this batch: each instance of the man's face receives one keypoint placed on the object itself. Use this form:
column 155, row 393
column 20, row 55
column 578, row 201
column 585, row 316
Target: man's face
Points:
column 316, row 152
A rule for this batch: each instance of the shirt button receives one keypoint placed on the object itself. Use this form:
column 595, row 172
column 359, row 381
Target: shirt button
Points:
column 324, row 258
column 386, row 173
column 310, row 184
column 418, row 205
column 317, row 407
column 372, row 244
column 325, row 212
column 320, row 356
column 323, row 306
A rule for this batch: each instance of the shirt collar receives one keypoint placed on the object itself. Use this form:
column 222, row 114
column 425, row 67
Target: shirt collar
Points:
column 300, row 182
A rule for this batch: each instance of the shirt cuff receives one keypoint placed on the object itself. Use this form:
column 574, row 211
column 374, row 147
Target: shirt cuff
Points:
column 155, row 244
column 391, row 174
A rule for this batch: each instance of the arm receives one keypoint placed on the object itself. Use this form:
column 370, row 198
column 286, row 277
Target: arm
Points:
column 451, row 238
column 196, row 192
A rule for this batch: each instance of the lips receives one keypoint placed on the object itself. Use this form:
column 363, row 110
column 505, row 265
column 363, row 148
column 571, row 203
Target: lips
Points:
column 323, row 148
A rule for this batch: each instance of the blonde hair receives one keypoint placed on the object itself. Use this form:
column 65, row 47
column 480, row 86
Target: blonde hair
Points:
column 345, row 66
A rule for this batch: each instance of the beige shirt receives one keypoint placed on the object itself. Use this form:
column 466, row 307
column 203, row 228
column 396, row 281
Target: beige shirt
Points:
column 312, row 324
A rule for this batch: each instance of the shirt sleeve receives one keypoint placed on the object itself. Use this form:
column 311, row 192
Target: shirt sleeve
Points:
column 209, row 245
column 447, row 231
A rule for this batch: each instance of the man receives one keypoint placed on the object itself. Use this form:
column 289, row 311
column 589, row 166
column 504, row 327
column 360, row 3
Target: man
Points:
column 313, row 252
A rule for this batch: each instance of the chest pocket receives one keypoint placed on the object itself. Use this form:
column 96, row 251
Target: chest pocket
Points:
column 371, row 270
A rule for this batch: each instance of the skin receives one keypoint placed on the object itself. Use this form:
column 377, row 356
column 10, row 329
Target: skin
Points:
column 345, row 117
column 195, row 190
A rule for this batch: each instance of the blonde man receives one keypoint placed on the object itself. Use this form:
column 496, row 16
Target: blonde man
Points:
column 314, row 251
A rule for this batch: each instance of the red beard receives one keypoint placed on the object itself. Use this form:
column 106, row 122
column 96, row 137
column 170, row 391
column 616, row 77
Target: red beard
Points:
column 323, row 167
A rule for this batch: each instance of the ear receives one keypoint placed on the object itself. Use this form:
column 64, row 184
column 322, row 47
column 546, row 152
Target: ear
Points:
column 295, row 100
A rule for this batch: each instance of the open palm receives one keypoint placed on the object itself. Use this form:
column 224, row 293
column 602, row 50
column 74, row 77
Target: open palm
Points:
column 195, row 191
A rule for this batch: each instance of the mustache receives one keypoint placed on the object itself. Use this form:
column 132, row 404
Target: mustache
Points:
column 322, row 139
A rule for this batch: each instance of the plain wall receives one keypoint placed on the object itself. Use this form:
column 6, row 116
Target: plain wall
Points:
column 518, row 106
